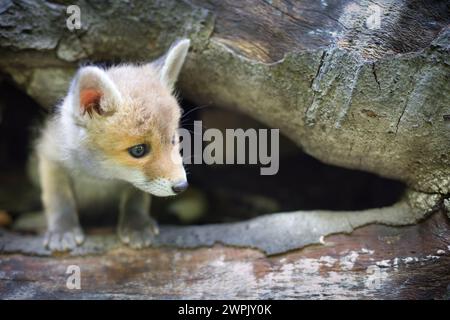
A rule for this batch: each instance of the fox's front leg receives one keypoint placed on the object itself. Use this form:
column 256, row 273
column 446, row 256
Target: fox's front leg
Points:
column 63, row 228
column 136, row 228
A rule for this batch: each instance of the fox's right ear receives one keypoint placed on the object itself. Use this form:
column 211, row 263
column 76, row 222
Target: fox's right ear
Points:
column 93, row 92
column 171, row 63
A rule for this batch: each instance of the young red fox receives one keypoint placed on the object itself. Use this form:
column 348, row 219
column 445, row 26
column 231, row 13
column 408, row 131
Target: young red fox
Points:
column 115, row 133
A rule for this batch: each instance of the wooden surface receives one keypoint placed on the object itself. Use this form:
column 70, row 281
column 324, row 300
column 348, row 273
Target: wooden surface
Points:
column 374, row 262
column 267, row 30
column 351, row 96
column 371, row 99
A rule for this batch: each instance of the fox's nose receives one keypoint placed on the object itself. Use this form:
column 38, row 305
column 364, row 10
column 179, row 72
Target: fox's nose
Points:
column 180, row 186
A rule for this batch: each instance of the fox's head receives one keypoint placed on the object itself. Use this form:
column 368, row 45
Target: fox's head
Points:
column 127, row 119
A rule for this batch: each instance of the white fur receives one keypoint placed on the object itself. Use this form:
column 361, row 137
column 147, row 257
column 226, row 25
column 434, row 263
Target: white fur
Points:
column 65, row 143
column 173, row 62
column 74, row 174
column 89, row 77
column 64, row 138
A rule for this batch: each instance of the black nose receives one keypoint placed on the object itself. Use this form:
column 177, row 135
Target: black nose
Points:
column 180, row 186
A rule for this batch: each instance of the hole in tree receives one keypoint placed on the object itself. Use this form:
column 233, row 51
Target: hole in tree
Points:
column 225, row 193
column 217, row 193
column 20, row 118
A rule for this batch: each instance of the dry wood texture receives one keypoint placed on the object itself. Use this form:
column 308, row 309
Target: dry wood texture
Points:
column 372, row 99
column 374, row 262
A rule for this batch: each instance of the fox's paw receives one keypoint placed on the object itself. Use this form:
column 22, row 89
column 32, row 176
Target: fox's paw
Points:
column 63, row 240
column 139, row 237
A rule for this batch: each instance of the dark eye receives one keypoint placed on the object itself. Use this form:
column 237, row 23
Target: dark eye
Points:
column 174, row 140
column 138, row 151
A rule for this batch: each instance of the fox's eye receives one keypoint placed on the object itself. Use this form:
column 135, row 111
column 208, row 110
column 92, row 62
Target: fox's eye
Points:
column 138, row 151
column 174, row 140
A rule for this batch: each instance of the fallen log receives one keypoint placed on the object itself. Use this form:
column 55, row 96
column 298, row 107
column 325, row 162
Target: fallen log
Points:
column 374, row 262
column 346, row 89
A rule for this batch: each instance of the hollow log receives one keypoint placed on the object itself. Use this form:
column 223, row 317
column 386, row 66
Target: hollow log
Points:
column 365, row 97
column 355, row 83
column 375, row 262
column 372, row 99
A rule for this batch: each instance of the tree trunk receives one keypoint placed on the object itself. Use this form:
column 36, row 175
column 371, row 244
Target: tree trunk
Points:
column 355, row 83
column 349, row 92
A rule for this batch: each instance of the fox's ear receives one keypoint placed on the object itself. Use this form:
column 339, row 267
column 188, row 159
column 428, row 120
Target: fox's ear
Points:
column 94, row 92
column 170, row 64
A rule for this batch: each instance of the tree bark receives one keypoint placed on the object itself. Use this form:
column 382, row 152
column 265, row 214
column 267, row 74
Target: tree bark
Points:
column 375, row 262
column 373, row 99
column 348, row 93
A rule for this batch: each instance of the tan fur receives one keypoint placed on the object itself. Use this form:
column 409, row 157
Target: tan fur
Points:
column 84, row 149
column 149, row 113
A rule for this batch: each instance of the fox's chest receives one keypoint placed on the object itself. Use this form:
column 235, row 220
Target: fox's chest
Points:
column 94, row 193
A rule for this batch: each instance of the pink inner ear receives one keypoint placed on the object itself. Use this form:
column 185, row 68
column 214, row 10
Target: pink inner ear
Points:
column 90, row 101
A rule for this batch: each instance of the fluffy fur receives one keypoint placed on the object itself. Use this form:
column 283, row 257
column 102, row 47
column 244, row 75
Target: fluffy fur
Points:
column 86, row 144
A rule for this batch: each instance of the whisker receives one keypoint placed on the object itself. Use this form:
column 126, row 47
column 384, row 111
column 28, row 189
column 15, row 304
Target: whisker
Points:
column 195, row 109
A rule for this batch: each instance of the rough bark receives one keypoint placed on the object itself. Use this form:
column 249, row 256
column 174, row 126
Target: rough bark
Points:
column 351, row 96
column 368, row 99
column 375, row 262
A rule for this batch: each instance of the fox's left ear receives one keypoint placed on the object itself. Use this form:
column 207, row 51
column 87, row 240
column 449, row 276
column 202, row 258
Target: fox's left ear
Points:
column 170, row 64
column 93, row 92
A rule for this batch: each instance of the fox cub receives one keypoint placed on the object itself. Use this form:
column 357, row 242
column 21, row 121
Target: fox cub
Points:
column 115, row 133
